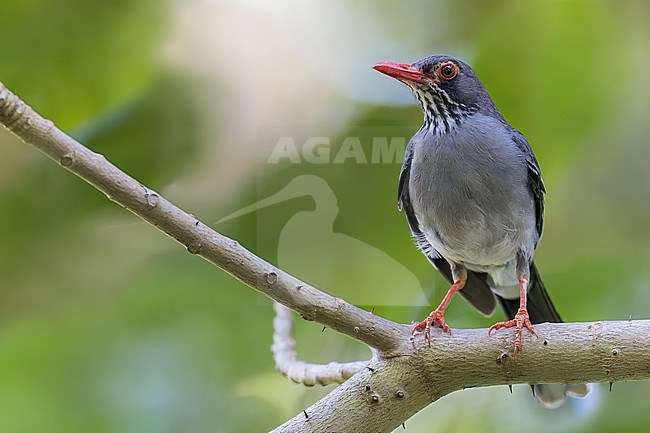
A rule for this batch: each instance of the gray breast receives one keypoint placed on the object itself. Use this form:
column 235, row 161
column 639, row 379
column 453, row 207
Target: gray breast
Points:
column 470, row 194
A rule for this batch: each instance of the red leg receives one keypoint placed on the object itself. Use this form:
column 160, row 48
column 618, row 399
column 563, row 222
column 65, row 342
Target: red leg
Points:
column 521, row 319
column 437, row 318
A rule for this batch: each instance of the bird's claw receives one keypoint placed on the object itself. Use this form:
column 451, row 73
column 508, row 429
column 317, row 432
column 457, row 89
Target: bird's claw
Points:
column 519, row 322
column 436, row 319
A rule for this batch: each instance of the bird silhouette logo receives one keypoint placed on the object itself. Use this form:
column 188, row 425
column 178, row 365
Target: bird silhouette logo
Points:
column 343, row 265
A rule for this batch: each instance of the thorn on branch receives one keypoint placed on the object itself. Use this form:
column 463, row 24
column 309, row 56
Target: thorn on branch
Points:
column 324, row 328
column 403, row 426
column 510, row 387
column 610, row 386
column 305, row 412
column 368, row 387
column 400, row 394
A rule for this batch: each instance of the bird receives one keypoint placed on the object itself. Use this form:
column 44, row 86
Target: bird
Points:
column 472, row 192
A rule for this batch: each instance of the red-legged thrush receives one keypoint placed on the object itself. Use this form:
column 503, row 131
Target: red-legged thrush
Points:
column 473, row 196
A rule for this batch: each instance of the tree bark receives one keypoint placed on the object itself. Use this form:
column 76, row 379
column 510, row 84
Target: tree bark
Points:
column 392, row 389
column 405, row 374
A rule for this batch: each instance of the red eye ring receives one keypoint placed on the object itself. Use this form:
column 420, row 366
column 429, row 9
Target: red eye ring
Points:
column 447, row 71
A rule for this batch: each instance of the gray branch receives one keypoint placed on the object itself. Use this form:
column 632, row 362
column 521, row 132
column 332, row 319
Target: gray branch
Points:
column 198, row 238
column 287, row 362
column 392, row 389
column 405, row 375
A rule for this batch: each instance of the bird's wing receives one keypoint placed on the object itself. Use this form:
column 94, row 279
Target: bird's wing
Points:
column 476, row 290
column 404, row 174
column 534, row 178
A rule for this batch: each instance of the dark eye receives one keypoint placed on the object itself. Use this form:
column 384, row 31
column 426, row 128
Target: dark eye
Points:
column 448, row 71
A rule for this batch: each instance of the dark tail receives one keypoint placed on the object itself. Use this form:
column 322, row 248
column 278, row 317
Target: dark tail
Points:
column 540, row 307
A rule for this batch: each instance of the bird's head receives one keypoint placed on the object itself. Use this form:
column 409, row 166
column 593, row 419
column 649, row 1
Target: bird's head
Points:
column 446, row 88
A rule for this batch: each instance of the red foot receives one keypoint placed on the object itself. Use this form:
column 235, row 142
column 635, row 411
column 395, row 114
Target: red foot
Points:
column 520, row 321
column 437, row 319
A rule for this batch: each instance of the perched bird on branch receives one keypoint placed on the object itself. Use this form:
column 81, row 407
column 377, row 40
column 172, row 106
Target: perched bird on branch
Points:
column 473, row 196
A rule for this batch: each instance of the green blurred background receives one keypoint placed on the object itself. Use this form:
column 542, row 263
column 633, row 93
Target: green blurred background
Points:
column 106, row 325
